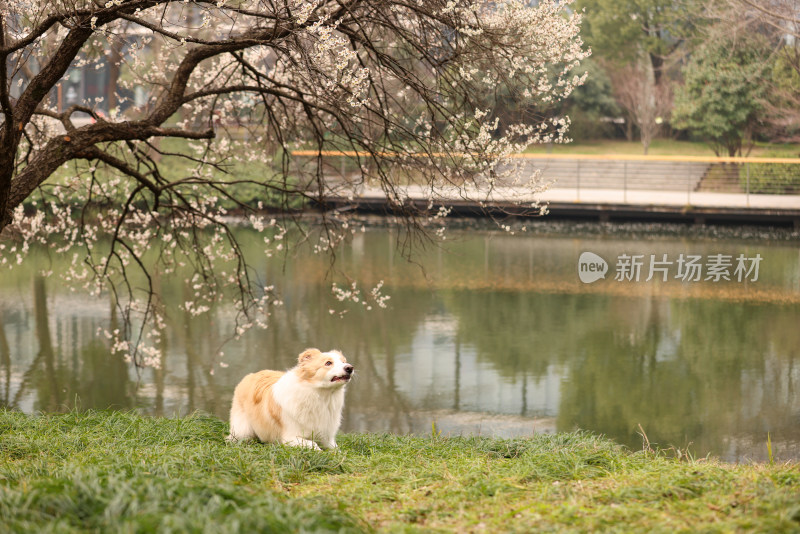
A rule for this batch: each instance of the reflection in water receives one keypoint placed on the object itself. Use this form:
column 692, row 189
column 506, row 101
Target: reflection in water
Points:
column 73, row 369
column 497, row 336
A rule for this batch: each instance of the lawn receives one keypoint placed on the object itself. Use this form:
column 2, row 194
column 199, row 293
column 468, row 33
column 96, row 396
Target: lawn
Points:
column 121, row 472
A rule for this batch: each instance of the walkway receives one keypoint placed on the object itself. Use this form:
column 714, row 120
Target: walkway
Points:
column 597, row 204
column 682, row 199
column 620, row 187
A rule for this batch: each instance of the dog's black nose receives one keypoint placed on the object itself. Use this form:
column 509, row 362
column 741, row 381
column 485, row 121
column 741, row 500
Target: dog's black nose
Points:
column 348, row 369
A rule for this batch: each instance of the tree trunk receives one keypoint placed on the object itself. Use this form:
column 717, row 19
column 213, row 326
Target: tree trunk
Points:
column 7, row 151
column 647, row 110
column 629, row 129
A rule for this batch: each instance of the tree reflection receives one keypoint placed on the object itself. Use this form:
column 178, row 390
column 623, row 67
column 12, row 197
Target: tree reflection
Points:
column 523, row 333
column 50, row 390
column 65, row 375
column 687, row 371
column 5, row 361
column 698, row 371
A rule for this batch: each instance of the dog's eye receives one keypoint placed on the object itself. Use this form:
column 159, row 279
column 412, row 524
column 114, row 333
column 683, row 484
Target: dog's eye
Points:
column 328, row 363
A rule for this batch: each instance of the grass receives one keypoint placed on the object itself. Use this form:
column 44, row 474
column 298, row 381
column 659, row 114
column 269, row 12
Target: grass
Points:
column 121, row 472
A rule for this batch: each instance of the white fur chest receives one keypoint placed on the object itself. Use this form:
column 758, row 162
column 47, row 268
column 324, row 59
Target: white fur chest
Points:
column 310, row 411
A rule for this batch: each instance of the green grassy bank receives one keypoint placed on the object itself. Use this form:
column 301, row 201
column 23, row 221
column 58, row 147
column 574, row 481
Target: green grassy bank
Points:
column 121, row 472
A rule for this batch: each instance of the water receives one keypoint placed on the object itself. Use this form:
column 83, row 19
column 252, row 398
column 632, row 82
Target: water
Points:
column 497, row 335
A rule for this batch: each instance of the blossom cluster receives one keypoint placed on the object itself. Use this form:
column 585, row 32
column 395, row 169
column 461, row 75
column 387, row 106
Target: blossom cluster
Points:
column 355, row 295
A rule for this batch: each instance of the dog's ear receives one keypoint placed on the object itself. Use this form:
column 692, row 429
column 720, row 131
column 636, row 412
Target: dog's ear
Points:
column 307, row 355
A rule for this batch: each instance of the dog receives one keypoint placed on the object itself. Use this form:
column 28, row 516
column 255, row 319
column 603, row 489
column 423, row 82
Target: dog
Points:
column 300, row 407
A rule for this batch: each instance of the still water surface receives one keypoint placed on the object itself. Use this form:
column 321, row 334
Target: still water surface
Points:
column 496, row 336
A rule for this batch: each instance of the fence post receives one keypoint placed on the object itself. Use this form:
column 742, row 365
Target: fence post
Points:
column 625, row 181
column 747, row 181
column 688, row 177
column 578, row 185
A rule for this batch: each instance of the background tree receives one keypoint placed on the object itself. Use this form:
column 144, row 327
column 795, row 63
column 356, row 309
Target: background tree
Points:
column 782, row 109
column 230, row 88
column 592, row 107
column 638, row 43
column 646, row 100
column 779, row 22
column 723, row 96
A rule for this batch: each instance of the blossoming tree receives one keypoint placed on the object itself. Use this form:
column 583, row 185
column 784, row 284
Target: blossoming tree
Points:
column 403, row 90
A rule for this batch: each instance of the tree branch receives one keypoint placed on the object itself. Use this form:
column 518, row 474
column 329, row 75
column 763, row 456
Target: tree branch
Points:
column 66, row 147
column 5, row 102
column 122, row 166
column 776, row 15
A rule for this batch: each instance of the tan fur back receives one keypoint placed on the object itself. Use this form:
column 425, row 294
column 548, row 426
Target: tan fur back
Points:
column 251, row 397
column 263, row 381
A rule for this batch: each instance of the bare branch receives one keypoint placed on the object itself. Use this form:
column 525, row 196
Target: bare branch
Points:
column 116, row 163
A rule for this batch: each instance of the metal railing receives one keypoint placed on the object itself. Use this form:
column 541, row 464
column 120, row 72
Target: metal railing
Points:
column 627, row 178
column 690, row 174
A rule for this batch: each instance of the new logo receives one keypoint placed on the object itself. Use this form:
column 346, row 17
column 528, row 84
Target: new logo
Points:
column 591, row 267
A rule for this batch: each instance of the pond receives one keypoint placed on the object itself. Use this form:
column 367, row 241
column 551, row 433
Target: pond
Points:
column 496, row 334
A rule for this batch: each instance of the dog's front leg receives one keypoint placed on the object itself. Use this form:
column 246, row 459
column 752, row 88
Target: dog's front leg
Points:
column 298, row 441
column 328, row 443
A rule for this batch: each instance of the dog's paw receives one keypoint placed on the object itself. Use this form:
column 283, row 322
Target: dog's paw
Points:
column 302, row 442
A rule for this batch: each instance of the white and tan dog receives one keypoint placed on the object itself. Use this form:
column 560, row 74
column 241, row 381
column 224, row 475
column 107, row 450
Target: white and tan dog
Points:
column 301, row 407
